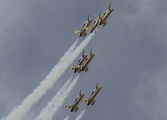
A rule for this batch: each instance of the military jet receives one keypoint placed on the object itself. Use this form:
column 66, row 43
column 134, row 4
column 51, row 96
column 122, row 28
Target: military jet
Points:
column 96, row 23
column 82, row 32
column 106, row 15
column 91, row 100
column 82, row 59
column 74, row 107
column 78, row 67
column 85, row 67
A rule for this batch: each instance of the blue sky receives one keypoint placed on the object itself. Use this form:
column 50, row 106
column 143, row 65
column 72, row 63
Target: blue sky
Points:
column 130, row 61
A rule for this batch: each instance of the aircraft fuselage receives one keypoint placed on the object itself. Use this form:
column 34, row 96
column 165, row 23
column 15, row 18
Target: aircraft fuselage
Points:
column 105, row 16
column 85, row 66
column 80, row 63
column 92, row 98
column 96, row 23
column 83, row 30
column 81, row 60
column 76, row 103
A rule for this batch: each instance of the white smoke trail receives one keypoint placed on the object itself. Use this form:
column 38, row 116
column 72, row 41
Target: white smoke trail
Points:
column 79, row 117
column 50, row 79
column 61, row 100
column 67, row 117
column 70, row 50
column 45, row 111
column 32, row 98
column 3, row 118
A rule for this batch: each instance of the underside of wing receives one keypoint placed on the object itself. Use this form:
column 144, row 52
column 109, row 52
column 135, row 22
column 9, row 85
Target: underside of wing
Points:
column 68, row 107
column 88, row 28
column 85, row 100
column 71, row 68
column 77, row 32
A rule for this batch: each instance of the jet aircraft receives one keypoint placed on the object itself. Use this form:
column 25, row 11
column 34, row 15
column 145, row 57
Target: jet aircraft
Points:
column 82, row 32
column 74, row 107
column 95, row 24
column 85, row 67
column 106, row 15
column 78, row 67
column 91, row 100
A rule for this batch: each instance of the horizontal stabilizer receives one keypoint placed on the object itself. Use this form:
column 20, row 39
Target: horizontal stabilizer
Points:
column 85, row 100
column 77, row 32
column 68, row 107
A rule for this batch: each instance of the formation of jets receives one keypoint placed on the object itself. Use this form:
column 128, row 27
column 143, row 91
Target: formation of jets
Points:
column 90, row 101
column 84, row 61
column 100, row 20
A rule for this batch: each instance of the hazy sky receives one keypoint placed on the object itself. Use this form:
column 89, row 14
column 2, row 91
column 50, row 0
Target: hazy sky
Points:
column 130, row 61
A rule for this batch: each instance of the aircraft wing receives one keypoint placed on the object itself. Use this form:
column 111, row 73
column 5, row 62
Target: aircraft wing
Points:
column 96, row 20
column 68, row 107
column 85, row 100
column 71, row 68
column 75, row 67
column 81, row 61
column 77, row 32
column 87, row 28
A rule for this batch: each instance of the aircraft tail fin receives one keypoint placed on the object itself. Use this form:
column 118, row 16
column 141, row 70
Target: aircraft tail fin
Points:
column 91, row 51
column 110, row 8
column 68, row 107
column 83, row 54
column 100, row 15
column 97, row 85
column 77, row 32
column 80, row 93
column 89, row 18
